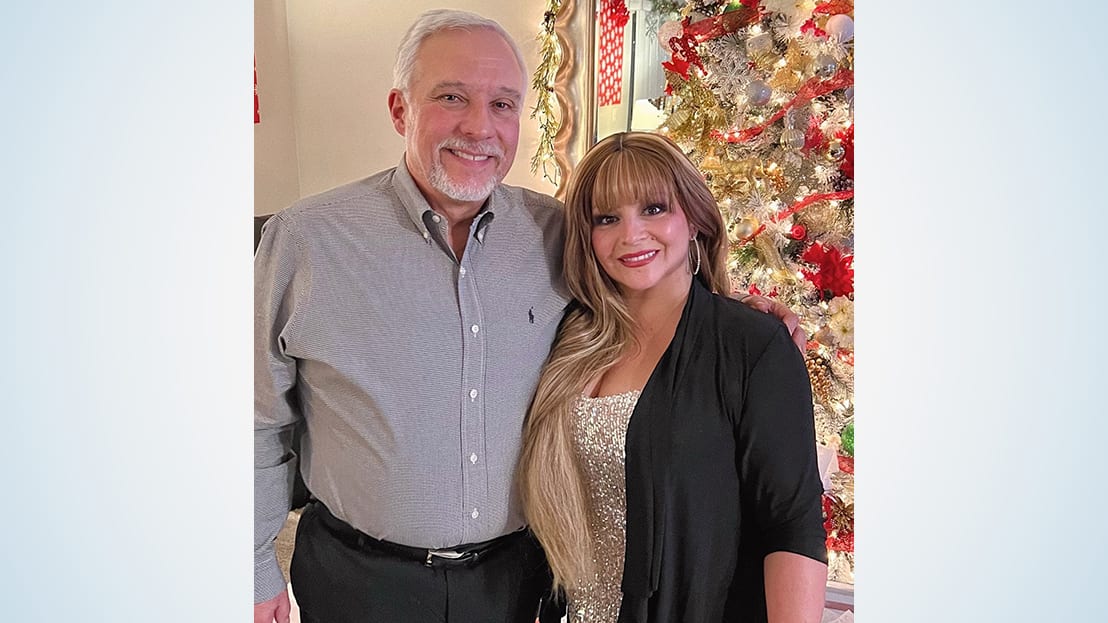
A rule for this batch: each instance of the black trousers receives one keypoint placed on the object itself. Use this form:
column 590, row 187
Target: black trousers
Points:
column 340, row 580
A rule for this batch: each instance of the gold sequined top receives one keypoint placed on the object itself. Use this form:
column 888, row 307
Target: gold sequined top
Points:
column 600, row 435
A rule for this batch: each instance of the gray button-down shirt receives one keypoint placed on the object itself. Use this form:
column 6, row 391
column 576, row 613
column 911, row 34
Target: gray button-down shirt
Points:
column 411, row 370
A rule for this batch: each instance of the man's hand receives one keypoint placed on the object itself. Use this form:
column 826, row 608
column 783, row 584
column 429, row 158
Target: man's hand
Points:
column 770, row 306
column 276, row 609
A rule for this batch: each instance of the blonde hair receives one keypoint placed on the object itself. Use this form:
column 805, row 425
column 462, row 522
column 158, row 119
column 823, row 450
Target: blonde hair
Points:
column 623, row 168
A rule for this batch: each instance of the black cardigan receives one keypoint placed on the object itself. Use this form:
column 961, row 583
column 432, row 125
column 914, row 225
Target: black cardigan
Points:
column 721, row 468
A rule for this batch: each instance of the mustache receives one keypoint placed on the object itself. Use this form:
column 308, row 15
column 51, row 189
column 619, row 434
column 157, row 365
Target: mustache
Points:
column 484, row 148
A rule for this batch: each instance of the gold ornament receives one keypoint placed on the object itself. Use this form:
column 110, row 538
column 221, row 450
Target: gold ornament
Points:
column 783, row 276
column 771, row 257
column 746, row 227
column 711, row 162
column 786, row 79
column 760, row 49
column 822, row 383
column 749, row 169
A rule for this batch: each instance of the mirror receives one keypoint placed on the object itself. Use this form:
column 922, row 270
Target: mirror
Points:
column 630, row 80
column 618, row 43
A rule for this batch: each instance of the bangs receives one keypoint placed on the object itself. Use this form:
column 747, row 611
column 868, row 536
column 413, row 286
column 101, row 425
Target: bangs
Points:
column 630, row 176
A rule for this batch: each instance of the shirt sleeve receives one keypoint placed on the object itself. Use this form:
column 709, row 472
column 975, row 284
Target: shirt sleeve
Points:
column 776, row 448
column 281, row 284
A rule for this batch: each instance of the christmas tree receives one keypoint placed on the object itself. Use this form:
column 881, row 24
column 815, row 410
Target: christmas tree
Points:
column 760, row 95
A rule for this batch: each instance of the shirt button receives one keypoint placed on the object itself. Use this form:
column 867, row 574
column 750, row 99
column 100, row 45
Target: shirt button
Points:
column 462, row 271
column 475, row 329
column 472, row 394
column 473, row 458
column 474, row 514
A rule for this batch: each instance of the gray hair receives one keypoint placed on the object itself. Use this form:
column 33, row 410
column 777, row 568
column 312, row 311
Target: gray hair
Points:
column 436, row 20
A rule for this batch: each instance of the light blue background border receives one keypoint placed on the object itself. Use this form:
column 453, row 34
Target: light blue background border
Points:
column 980, row 225
column 127, row 163
column 126, row 309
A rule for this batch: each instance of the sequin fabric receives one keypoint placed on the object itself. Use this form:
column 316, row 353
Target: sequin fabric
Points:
column 600, row 435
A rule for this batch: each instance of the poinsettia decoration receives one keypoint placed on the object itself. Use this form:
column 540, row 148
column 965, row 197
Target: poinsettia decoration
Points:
column 814, row 137
column 838, row 522
column 834, row 274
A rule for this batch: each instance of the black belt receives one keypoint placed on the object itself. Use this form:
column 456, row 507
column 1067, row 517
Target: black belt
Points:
column 468, row 554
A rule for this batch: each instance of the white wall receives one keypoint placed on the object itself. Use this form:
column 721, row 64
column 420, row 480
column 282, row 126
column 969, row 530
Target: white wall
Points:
column 340, row 56
column 276, row 170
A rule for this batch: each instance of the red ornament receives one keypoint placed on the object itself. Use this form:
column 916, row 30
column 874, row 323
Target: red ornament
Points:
column 846, row 464
column 798, row 232
column 846, row 137
column 835, row 272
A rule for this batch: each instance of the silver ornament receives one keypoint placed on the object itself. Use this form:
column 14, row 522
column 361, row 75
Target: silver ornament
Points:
column 825, row 66
column 758, row 93
column 792, row 138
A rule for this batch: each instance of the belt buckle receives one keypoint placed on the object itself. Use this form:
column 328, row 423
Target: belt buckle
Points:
column 448, row 554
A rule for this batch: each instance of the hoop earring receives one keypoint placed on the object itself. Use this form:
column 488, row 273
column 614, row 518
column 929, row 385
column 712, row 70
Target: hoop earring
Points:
column 696, row 244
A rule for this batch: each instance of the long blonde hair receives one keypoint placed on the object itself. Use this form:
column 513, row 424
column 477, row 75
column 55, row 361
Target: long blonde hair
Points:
column 623, row 168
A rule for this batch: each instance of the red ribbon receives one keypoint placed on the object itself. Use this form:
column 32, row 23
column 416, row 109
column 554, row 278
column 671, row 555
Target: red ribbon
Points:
column 729, row 22
column 834, row 7
column 800, row 205
column 810, row 199
column 811, row 89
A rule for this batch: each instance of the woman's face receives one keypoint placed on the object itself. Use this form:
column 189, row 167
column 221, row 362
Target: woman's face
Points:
column 643, row 246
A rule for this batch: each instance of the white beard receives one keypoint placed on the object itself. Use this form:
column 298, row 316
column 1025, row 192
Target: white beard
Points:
column 458, row 191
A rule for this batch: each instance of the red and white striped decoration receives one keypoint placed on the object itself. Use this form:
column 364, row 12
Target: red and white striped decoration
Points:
column 609, row 79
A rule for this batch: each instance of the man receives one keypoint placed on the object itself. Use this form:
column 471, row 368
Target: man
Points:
column 403, row 319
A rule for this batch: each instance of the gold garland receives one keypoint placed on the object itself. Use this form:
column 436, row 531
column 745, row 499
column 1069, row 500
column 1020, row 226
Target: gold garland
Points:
column 550, row 51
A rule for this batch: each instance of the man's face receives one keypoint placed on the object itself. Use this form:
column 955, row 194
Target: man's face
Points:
column 460, row 118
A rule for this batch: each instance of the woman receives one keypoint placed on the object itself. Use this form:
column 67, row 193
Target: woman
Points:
column 714, row 515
